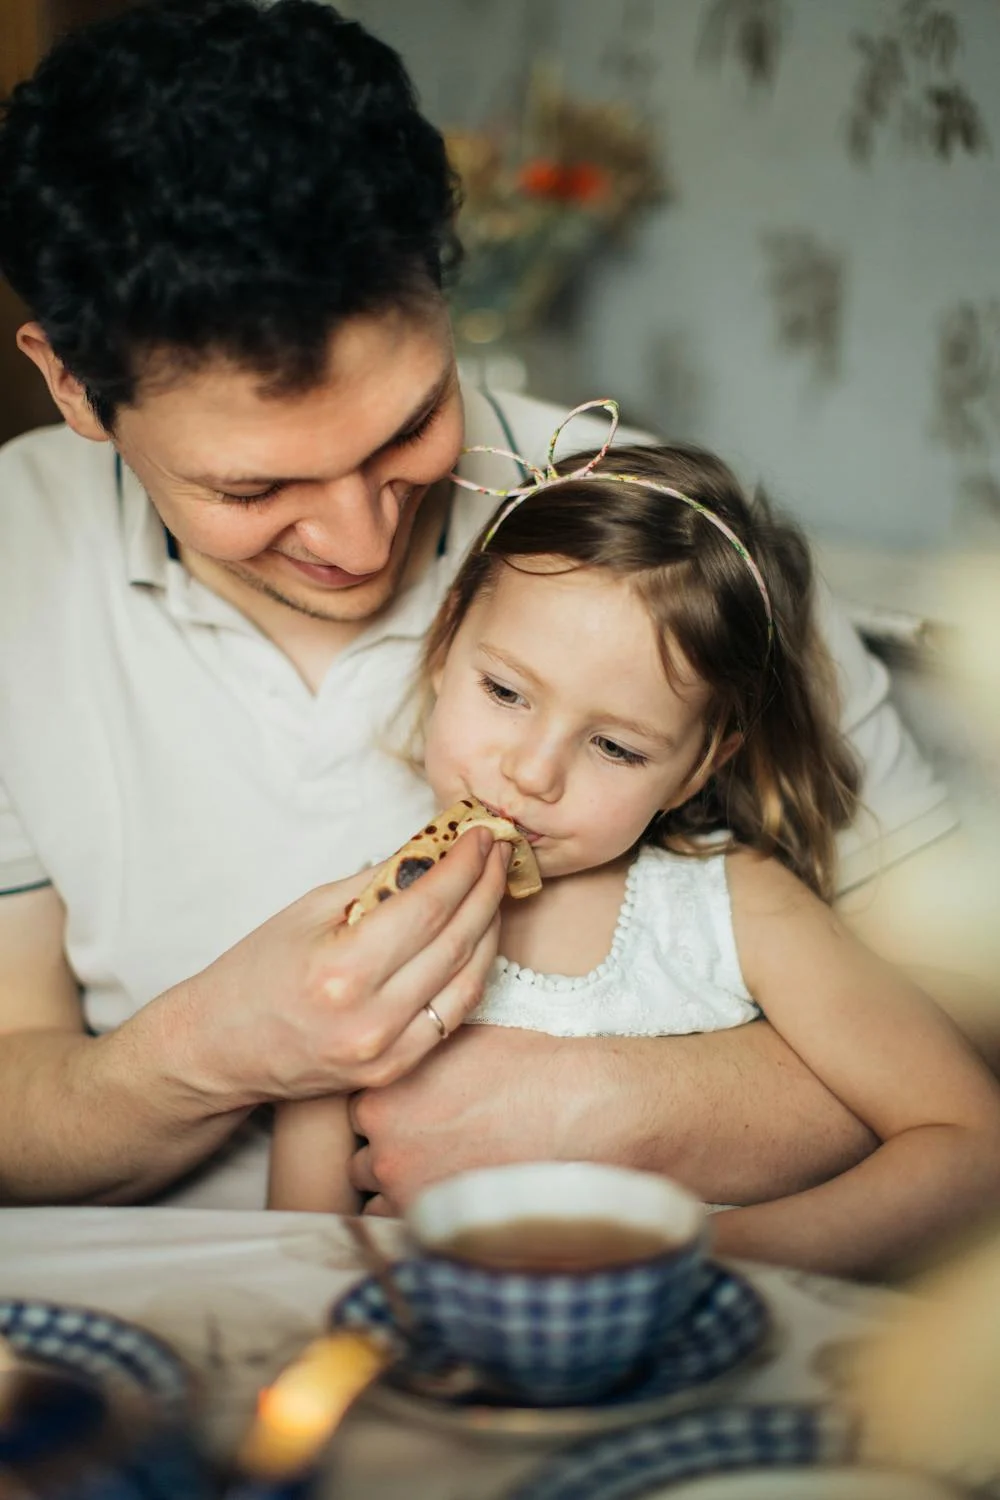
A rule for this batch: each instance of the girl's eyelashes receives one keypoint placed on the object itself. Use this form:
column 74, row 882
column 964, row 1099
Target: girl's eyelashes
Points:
column 505, row 696
column 617, row 754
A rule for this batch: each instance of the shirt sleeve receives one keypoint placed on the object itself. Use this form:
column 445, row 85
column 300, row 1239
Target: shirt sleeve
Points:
column 903, row 804
column 20, row 867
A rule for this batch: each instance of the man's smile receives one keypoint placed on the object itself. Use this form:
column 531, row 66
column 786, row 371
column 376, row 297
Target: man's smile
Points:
column 327, row 574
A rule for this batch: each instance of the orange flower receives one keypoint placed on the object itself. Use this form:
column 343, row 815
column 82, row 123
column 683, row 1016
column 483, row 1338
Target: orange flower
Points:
column 577, row 182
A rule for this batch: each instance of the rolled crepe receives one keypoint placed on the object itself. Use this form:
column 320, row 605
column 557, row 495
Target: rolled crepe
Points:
column 426, row 848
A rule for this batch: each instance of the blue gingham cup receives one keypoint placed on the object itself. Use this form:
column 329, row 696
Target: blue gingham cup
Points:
column 556, row 1337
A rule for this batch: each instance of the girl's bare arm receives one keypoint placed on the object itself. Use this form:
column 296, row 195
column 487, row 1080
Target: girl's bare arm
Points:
column 312, row 1145
column 892, row 1057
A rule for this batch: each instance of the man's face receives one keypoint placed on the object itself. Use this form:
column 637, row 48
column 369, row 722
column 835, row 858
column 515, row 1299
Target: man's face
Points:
column 308, row 498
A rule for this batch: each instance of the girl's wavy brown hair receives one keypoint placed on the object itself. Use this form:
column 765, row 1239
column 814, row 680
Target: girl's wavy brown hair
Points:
column 792, row 780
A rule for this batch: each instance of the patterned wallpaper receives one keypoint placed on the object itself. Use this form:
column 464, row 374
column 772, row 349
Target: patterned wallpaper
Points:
column 819, row 299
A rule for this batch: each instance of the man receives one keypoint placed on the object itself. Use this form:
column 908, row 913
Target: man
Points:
column 231, row 225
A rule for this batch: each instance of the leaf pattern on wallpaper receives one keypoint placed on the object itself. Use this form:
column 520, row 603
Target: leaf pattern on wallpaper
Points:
column 750, row 31
column 675, row 383
column 806, row 286
column 967, row 377
column 905, row 76
column 966, row 416
column 632, row 57
column 979, row 496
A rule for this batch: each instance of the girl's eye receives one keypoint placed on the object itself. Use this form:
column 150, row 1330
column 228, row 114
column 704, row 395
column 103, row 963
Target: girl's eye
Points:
column 422, row 428
column 267, row 494
column 500, row 694
column 618, row 753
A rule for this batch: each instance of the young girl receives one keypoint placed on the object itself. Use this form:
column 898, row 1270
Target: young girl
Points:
column 626, row 667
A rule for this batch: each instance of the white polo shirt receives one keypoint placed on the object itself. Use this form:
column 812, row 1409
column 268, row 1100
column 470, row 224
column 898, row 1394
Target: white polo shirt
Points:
column 164, row 766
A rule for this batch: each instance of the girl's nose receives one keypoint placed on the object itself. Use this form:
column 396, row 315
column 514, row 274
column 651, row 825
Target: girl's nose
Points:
column 535, row 768
column 350, row 523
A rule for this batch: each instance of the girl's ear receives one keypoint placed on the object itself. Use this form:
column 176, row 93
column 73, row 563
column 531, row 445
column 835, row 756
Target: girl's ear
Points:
column 714, row 760
column 67, row 392
column 437, row 677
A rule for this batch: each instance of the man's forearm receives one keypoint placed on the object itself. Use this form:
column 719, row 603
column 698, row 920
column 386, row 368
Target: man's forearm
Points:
column 99, row 1119
column 736, row 1115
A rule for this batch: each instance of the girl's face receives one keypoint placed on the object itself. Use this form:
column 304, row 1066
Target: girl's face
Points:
column 554, row 709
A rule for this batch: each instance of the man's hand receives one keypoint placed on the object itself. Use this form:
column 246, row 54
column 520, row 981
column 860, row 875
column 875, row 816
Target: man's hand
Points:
column 734, row 1115
column 481, row 1098
column 306, row 1005
column 302, row 1006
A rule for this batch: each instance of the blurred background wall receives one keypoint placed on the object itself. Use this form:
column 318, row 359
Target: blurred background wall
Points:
column 817, row 294
column 829, row 321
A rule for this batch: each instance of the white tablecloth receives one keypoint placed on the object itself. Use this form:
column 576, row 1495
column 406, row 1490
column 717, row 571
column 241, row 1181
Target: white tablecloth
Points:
column 237, row 1294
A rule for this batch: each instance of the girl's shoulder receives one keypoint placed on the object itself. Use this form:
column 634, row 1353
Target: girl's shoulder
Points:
column 761, row 885
column 778, row 919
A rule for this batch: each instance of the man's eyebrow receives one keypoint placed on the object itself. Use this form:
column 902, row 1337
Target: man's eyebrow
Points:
column 630, row 726
column 423, row 409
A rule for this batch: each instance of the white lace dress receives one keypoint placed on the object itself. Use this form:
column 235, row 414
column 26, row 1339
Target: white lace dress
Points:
column 672, row 968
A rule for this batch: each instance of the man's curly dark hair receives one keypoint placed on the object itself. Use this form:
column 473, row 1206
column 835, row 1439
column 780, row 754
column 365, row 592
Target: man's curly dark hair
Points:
column 199, row 178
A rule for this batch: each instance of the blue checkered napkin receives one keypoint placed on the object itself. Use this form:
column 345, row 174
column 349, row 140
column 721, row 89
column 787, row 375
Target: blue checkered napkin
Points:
column 725, row 1323
column 708, row 1441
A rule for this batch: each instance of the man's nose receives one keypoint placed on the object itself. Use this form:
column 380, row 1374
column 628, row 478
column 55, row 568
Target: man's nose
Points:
column 350, row 522
column 536, row 767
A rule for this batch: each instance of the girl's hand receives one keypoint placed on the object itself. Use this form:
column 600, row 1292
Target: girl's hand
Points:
column 305, row 1005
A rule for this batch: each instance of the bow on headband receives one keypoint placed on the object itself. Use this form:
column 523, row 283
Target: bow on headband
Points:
column 543, row 479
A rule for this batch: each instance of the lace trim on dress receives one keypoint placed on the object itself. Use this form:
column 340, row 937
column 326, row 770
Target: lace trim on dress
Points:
column 563, row 982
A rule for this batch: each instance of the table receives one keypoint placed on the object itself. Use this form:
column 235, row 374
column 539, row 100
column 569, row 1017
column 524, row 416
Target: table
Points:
column 237, row 1294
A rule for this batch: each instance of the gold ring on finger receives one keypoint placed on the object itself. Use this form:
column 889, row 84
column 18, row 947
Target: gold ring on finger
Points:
column 432, row 1015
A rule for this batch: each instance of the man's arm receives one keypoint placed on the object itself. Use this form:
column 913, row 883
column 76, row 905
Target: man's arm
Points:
column 733, row 1114
column 82, row 1118
column 302, row 1006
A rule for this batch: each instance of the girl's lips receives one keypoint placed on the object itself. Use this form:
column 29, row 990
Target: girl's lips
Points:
column 498, row 812
column 327, row 575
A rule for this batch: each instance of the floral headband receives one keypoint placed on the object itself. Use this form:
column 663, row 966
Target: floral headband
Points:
column 547, row 477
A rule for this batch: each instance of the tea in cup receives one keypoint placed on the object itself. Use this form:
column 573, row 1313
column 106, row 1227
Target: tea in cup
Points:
column 557, row 1280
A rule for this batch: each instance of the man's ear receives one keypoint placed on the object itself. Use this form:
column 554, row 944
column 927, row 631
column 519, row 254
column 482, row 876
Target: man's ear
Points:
column 67, row 392
column 714, row 759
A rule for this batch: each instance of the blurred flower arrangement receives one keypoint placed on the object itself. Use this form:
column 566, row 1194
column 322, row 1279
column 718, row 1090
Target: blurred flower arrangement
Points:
column 542, row 195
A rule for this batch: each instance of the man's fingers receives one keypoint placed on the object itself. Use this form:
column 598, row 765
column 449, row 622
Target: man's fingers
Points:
column 451, row 964
column 388, row 937
column 378, row 1207
column 359, row 1170
column 451, row 1004
column 451, row 953
column 459, row 994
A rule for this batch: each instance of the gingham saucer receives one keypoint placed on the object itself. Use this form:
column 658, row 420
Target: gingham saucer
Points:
column 627, row 1465
column 145, row 1382
column 727, row 1329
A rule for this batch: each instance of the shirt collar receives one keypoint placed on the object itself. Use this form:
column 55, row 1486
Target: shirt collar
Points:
column 147, row 554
